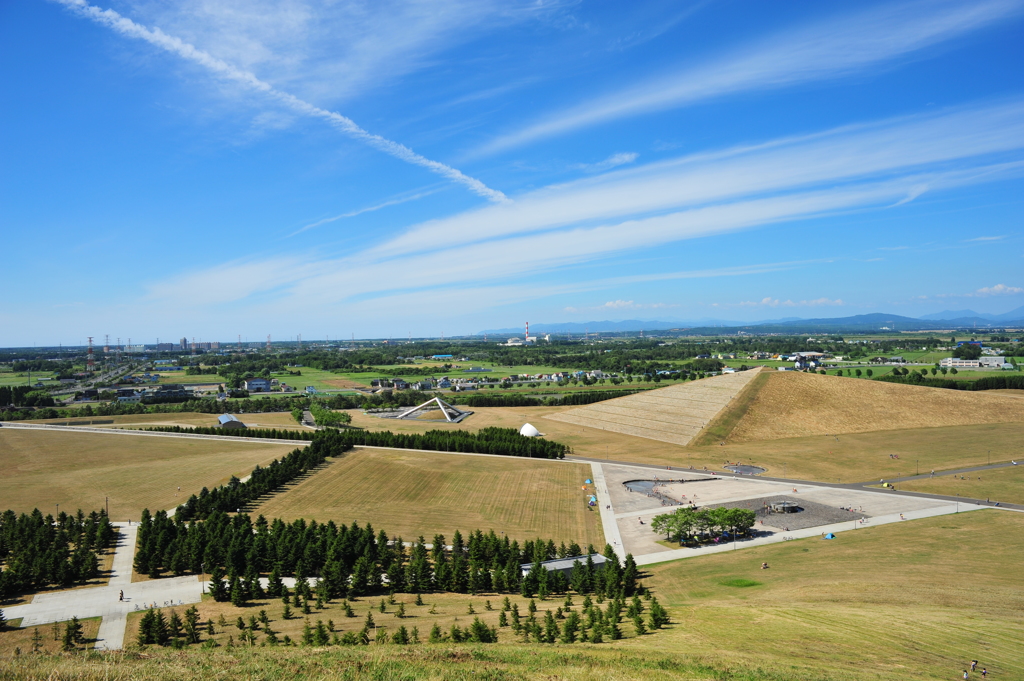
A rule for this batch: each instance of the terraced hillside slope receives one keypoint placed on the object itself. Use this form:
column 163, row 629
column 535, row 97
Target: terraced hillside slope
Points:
column 675, row 414
column 792, row 404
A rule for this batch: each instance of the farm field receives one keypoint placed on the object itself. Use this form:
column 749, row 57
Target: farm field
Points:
column 21, row 378
column 409, row 493
column 1005, row 485
column 78, row 470
column 795, row 404
column 889, row 602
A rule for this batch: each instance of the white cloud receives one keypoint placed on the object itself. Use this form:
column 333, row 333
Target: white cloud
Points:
column 223, row 69
column 612, row 161
column 828, row 158
column 987, row 238
column 825, row 50
column 999, row 290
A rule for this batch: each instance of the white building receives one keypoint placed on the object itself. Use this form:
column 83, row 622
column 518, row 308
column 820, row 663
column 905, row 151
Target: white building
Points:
column 959, row 363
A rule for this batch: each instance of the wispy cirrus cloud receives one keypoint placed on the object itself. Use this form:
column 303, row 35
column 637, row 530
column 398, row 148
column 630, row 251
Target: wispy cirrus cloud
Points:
column 825, row 50
column 833, row 156
column 361, row 211
column 547, row 233
column 986, row 238
column 223, row 69
column 775, row 302
column 613, row 161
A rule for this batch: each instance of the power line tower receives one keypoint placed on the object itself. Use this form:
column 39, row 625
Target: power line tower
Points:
column 300, row 342
column 268, row 342
column 90, row 363
column 106, row 343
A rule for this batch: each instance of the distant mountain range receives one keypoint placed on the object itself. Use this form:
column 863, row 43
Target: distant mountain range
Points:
column 857, row 323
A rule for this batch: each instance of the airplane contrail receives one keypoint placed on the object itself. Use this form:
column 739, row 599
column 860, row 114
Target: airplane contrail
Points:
column 156, row 37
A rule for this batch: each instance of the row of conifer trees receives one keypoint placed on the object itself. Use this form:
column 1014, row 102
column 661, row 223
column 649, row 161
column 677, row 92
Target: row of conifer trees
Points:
column 38, row 551
column 236, row 494
column 354, row 560
column 501, row 441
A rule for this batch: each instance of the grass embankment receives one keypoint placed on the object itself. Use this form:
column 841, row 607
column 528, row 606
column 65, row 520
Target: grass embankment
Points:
column 722, row 425
column 43, row 468
column 796, row 404
column 414, row 493
column 1005, row 485
column 914, row 600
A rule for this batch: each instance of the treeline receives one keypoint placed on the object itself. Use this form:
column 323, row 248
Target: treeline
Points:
column 210, row 405
column 500, row 441
column 693, row 525
column 24, row 396
column 259, row 433
column 518, row 400
column 37, row 551
column 237, row 494
column 987, row 383
column 352, row 561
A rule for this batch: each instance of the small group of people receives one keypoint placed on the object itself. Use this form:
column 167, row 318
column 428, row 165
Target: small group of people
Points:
column 974, row 667
column 894, row 456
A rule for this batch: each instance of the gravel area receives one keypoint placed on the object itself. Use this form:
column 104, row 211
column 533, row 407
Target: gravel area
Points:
column 812, row 515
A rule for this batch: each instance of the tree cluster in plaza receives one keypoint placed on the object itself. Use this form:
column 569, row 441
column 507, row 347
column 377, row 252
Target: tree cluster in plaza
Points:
column 38, row 551
column 687, row 524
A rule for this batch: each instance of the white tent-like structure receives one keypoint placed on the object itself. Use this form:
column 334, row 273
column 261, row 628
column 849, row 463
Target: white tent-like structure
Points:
column 451, row 414
column 529, row 431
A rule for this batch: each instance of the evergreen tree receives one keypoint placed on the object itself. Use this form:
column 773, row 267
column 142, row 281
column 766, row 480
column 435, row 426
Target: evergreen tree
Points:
column 217, row 588
column 550, row 627
column 435, row 634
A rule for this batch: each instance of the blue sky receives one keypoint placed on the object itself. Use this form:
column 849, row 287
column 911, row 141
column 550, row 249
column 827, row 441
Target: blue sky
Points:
column 211, row 168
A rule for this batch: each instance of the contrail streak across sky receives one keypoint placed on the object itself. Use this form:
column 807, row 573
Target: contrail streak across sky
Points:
column 157, row 38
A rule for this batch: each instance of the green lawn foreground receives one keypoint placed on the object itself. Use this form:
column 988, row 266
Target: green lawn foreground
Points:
column 914, row 600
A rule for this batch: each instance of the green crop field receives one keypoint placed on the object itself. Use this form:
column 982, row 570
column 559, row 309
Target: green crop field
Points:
column 410, row 493
column 80, row 470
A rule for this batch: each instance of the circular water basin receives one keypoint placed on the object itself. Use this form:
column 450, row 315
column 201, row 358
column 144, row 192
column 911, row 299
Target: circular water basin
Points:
column 746, row 470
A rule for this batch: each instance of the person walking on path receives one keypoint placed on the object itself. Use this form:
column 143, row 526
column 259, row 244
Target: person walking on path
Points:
column 121, row 595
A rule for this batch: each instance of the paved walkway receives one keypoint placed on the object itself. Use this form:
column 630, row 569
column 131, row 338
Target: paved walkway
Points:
column 103, row 601
column 604, row 500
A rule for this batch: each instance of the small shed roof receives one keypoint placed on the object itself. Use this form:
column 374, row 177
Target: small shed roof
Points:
column 227, row 418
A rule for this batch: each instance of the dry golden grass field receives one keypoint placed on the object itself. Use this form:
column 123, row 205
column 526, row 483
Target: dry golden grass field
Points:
column 13, row 639
column 78, row 470
column 909, row 601
column 410, row 493
column 1005, row 485
column 796, row 404
column 448, row 609
column 855, row 457
column 675, row 414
